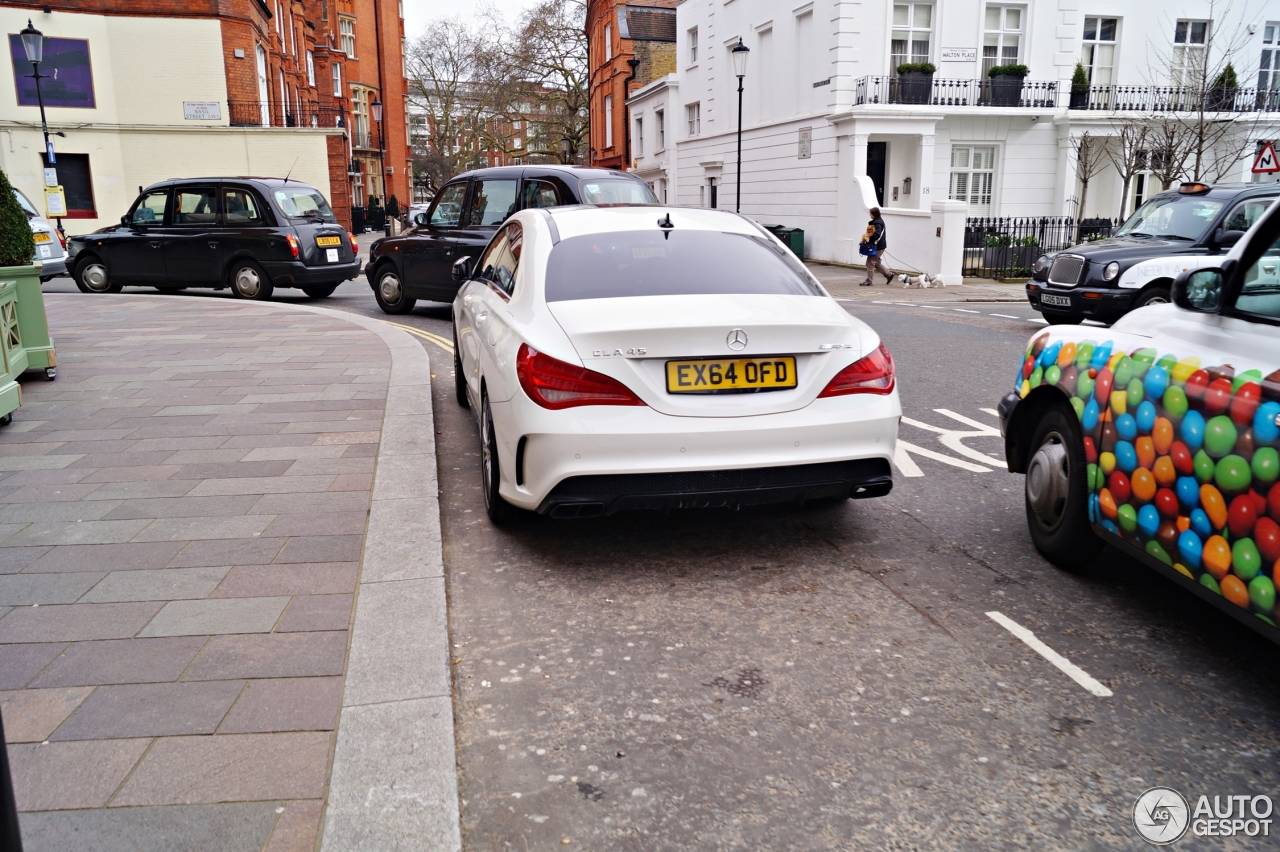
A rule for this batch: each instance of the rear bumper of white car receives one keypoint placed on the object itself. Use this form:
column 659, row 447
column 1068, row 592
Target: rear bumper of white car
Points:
column 597, row 460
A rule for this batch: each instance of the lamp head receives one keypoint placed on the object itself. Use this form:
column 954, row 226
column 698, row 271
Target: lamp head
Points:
column 33, row 43
column 740, row 52
column 376, row 106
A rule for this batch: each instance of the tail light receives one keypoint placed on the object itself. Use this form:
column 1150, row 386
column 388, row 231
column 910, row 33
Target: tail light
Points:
column 62, row 238
column 554, row 384
column 293, row 244
column 354, row 247
column 872, row 374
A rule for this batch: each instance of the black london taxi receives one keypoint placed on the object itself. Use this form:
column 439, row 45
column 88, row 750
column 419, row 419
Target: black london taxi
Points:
column 250, row 234
column 1190, row 227
column 466, row 213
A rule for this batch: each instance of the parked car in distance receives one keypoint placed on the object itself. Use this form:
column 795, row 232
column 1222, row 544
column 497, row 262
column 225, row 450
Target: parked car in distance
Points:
column 50, row 250
column 416, row 208
column 1189, row 227
column 250, row 234
column 1161, row 435
column 466, row 213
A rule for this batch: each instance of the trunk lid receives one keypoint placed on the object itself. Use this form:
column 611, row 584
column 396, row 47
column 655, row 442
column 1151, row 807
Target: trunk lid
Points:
column 316, row 241
column 632, row 339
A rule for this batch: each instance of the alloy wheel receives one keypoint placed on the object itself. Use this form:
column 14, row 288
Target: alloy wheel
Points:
column 390, row 289
column 248, row 282
column 95, row 278
column 1048, row 481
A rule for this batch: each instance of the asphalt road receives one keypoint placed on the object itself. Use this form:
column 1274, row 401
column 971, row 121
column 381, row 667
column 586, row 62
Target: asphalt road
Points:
column 828, row 678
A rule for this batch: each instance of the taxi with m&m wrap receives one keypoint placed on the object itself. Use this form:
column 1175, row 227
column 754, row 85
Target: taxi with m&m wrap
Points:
column 1161, row 435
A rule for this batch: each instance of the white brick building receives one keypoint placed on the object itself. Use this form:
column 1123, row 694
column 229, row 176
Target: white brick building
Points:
column 829, row 128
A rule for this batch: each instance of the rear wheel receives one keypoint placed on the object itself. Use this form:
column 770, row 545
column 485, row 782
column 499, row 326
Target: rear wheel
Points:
column 1059, row 319
column 92, row 277
column 1057, row 494
column 1152, row 296
column 500, row 511
column 248, row 281
column 320, row 291
column 389, row 291
column 459, row 377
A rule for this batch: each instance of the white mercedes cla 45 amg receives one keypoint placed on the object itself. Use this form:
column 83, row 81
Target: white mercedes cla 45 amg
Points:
column 645, row 358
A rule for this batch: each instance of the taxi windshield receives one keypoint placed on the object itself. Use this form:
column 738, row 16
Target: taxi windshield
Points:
column 1172, row 217
column 611, row 191
column 303, row 202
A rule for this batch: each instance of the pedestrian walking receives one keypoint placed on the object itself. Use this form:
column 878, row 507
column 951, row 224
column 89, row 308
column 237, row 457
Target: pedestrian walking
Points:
column 873, row 245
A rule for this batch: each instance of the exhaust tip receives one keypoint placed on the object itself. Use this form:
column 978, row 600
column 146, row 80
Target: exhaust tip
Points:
column 568, row 511
column 871, row 489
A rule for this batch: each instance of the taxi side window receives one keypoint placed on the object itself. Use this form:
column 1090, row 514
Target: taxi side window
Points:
column 196, row 205
column 150, row 210
column 447, row 211
column 539, row 193
column 500, row 262
column 1261, row 291
column 1246, row 213
column 239, row 208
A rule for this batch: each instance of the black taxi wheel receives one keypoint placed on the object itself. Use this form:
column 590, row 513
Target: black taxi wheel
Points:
column 319, row 291
column 1057, row 492
column 388, row 289
column 1152, row 296
column 91, row 276
column 498, row 509
column 1059, row 319
column 248, row 281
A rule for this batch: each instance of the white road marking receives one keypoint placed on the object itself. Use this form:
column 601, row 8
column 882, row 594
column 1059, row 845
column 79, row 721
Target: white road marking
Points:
column 907, row 304
column 934, row 307
column 904, row 463
column 903, row 446
column 990, row 411
column 1040, row 320
column 883, row 303
column 1005, row 316
column 953, row 439
column 1060, row 662
column 965, row 311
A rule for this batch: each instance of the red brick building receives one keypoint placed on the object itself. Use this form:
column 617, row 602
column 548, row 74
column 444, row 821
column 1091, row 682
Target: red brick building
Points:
column 304, row 63
column 628, row 46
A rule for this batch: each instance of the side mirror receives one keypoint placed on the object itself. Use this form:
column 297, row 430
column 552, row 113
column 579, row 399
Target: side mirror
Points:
column 462, row 269
column 1200, row 290
column 124, row 220
column 420, row 218
column 1226, row 239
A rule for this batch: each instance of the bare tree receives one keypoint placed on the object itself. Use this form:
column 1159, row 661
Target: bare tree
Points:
column 1091, row 159
column 1168, row 150
column 441, row 64
column 1127, row 154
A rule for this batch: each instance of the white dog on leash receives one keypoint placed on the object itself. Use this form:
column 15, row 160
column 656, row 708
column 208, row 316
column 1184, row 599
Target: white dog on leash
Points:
column 923, row 280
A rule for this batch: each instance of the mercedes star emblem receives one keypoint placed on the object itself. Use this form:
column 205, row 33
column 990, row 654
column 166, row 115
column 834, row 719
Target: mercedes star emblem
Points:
column 737, row 340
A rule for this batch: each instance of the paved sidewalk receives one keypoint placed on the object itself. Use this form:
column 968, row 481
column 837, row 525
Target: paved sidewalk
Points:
column 843, row 283
column 182, row 522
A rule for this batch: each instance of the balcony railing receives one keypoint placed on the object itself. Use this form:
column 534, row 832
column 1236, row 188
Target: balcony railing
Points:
column 1174, row 99
column 364, row 139
column 264, row 114
column 939, row 92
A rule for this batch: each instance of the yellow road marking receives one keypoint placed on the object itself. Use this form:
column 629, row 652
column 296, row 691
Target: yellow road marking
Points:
column 443, row 343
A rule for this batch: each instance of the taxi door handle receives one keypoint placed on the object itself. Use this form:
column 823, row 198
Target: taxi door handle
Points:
column 155, row 244
column 466, row 300
column 482, row 317
column 213, row 245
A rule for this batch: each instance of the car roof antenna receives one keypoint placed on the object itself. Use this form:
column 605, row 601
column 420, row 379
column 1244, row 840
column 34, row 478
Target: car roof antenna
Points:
column 286, row 177
column 665, row 224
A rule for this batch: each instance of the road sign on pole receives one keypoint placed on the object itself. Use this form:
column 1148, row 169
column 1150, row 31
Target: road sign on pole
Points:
column 1265, row 163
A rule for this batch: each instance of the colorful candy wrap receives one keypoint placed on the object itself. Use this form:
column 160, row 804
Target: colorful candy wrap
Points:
column 1182, row 457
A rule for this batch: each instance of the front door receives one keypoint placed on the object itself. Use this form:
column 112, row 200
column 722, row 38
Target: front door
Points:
column 429, row 251
column 877, row 154
column 492, row 201
column 135, row 255
column 244, row 231
column 193, row 246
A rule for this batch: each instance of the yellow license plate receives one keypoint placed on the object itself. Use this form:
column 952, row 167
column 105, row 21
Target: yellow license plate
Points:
column 716, row 375
column 41, row 237
column 328, row 241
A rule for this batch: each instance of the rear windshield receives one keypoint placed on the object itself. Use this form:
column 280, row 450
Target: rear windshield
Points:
column 679, row 263
column 1172, row 217
column 303, row 202
column 26, row 205
column 615, row 191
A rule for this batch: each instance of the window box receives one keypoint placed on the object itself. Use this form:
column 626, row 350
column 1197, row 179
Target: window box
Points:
column 915, row 83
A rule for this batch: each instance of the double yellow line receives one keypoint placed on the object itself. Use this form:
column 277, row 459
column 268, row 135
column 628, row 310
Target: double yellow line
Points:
column 443, row 342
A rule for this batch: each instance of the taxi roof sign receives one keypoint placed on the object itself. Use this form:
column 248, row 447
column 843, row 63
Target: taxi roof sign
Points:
column 1265, row 162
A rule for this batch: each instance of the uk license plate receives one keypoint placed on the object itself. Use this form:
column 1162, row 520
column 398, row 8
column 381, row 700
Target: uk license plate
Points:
column 1059, row 301
column 331, row 255
column 328, row 241
column 45, row 252
column 721, row 375
column 41, row 237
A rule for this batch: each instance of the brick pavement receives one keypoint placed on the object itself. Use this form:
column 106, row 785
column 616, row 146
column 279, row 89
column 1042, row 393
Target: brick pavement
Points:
column 182, row 515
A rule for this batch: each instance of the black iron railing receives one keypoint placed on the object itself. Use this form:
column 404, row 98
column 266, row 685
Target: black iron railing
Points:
column 1007, row 247
column 1174, row 99
column 272, row 114
column 927, row 91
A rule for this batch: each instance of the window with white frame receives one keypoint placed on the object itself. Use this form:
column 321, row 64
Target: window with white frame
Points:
column 973, row 176
column 1001, row 36
column 608, row 42
column 347, row 33
column 1189, row 41
column 1098, row 51
column 693, row 46
column 337, row 79
column 660, row 129
column 912, row 34
column 311, row 68
column 638, row 137
column 279, row 21
column 693, row 115
column 1269, row 67
column 608, row 121
column 805, row 55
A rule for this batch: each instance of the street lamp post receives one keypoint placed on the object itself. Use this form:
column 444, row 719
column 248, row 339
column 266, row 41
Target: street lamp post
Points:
column 376, row 108
column 33, row 45
column 739, row 52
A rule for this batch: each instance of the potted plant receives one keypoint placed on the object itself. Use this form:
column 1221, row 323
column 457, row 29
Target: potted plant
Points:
column 17, row 251
column 1006, row 84
column 915, row 82
column 1008, row 253
column 1222, row 94
column 1080, row 88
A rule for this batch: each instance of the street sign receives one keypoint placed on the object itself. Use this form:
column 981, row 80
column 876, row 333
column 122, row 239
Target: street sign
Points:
column 202, row 110
column 1266, row 160
column 50, row 177
column 55, row 203
column 959, row 54
column 53, row 158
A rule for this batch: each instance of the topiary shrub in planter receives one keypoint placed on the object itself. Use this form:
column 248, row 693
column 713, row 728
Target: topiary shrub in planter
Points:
column 915, row 82
column 1222, row 94
column 17, row 249
column 1006, row 84
column 1079, row 88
